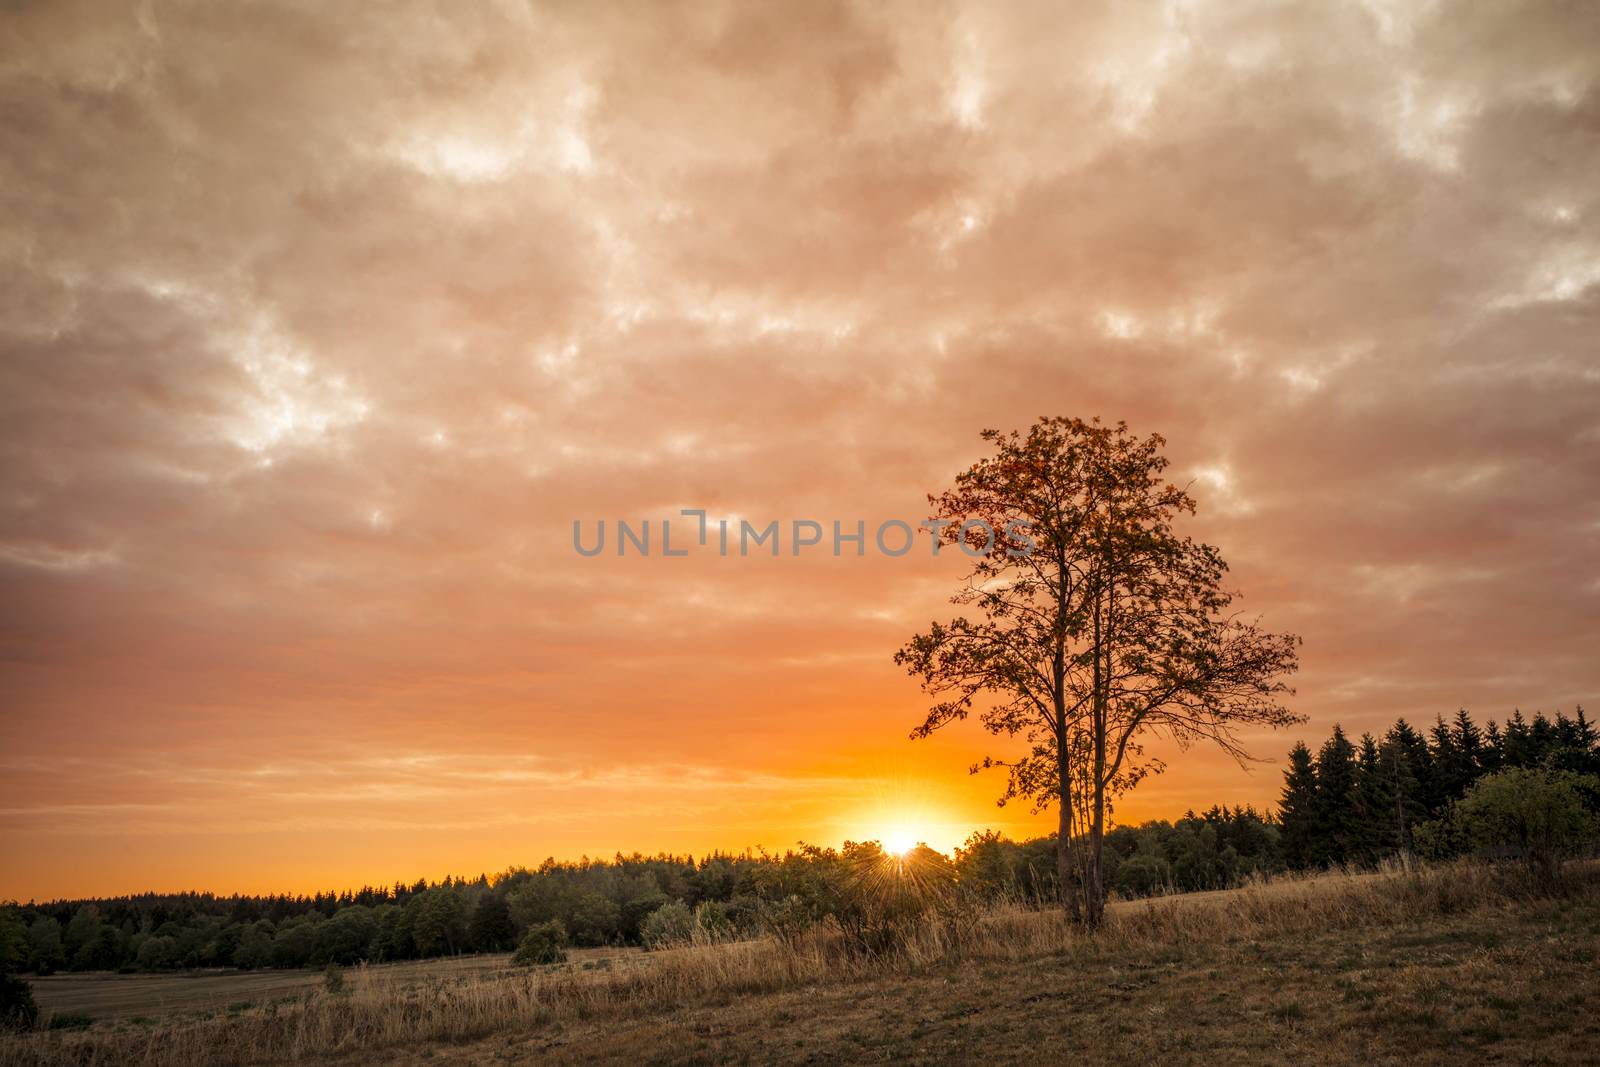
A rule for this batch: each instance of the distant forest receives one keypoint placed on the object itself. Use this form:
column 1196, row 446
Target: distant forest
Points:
column 1356, row 802
column 1352, row 802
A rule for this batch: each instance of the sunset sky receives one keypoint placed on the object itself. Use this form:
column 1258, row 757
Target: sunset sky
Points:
column 321, row 324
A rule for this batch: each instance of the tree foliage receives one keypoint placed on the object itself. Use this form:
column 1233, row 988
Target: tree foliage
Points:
column 1537, row 814
column 1091, row 625
column 544, row 943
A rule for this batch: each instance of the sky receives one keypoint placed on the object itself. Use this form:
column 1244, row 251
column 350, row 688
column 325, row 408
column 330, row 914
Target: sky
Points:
column 320, row 325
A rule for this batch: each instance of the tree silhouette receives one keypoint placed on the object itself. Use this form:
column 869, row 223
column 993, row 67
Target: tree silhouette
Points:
column 1297, row 809
column 1374, row 803
column 1336, row 821
column 1096, row 625
column 1396, row 758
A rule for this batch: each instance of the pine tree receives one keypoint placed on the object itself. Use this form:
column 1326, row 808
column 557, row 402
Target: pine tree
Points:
column 1445, row 784
column 1589, row 742
column 1542, row 740
column 1518, row 747
column 1297, row 809
column 1374, row 803
column 1469, row 746
column 1416, row 751
column 1335, row 807
column 1410, row 767
column 1569, row 754
column 1494, row 748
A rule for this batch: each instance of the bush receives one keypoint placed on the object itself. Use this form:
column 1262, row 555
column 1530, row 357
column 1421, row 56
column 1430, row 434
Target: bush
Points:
column 544, row 943
column 17, row 1009
column 1442, row 838
column 873, row 897
column 1538, row 815
column 714, row 920
column 670, row 924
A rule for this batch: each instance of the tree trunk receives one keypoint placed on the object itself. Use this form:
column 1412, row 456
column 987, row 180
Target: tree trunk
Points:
column 1065, row 873
column 1094, row 888
column 1094, row 894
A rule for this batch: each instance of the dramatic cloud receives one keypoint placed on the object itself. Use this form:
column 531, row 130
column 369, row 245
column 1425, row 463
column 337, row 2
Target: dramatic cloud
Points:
column 320, row 325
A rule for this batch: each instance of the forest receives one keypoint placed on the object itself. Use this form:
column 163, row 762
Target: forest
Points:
column 1349, row 803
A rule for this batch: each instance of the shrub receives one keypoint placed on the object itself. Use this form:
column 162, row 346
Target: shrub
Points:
column 1142, row 875
column 1538, row 815
column 714, row 920
column 872, row 896
column 1442, row 838
column 670, row 924
column 17, row 1009
column 544, row 943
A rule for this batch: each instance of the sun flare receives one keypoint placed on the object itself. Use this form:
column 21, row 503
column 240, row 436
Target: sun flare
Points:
column 899, row 841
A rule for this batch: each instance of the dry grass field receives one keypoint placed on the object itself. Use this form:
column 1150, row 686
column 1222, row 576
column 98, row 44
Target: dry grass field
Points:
column 1438, row 965
column 1445, row 991
column 114, row 997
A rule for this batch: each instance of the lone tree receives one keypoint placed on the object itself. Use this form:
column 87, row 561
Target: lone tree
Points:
column 1092, row 625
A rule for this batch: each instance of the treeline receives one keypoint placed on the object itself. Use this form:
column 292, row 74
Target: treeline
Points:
column 597, row 902
column 1351, row 802
column 1213, row 850
column 628, row 900
column 1355, row 802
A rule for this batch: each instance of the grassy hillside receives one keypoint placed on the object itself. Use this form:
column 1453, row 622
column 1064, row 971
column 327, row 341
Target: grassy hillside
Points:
column 1444, row 964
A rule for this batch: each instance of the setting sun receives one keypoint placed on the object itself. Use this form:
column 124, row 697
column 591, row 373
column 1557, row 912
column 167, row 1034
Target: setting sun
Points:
column 907, row 815
column 899, row 841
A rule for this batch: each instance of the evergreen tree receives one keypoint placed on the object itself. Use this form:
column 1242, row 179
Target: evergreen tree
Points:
column 1419, row 761
column 1542, row 740
column 1404, row 791
column 1588, row 741
column 1374, row 804
column 1574, row 745
column 1297, row 809
column 1494, row 747
column 1469, row 748
column 1518, row 745
column 1568, row 754
column 1445, row 783
column 1337, row 826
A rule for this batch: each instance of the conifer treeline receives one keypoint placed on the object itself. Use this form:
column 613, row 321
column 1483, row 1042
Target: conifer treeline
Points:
column 1355, row 802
